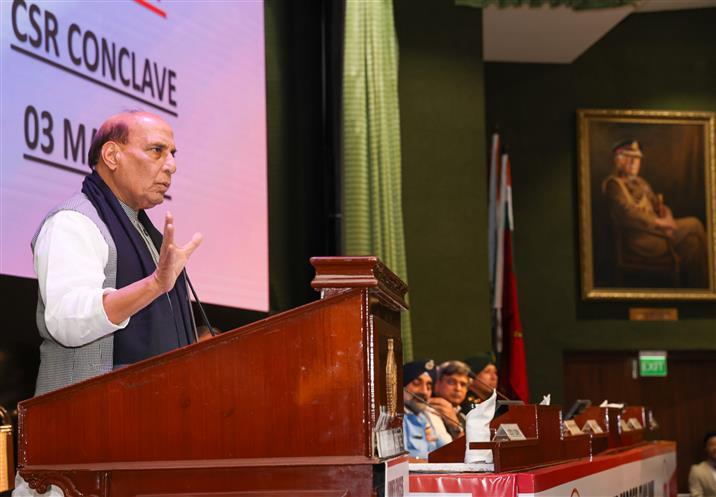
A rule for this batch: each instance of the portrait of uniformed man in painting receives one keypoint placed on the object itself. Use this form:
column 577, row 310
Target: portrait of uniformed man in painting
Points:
column 650, row 184
column 645, row 229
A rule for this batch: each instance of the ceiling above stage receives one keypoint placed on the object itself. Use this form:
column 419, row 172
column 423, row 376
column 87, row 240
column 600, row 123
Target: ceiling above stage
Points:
column 558, row 34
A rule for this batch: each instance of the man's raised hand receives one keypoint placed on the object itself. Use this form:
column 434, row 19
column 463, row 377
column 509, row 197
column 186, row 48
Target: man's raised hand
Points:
column 173, row 258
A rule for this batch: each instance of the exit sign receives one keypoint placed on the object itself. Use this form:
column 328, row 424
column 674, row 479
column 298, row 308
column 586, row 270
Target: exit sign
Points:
column 652, row 363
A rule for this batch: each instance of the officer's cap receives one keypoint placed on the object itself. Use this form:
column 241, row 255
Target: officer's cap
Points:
column 628, row 147
column 479, row 362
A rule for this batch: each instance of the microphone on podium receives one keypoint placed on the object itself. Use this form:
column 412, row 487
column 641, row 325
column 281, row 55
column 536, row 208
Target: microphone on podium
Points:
column 204, row 317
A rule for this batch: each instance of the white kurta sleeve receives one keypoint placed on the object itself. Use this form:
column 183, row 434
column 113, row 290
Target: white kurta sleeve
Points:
column 70, row 256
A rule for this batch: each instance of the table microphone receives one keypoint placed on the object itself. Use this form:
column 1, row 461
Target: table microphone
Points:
column 430, row 408
column 499, row 394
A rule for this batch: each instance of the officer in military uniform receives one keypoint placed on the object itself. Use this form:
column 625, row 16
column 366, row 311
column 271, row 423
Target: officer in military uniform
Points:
column 484, row 378
column 647, row 224
column 423, row 429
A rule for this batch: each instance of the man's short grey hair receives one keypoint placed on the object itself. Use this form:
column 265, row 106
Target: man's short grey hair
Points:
column 115, row 132
column 449, row 368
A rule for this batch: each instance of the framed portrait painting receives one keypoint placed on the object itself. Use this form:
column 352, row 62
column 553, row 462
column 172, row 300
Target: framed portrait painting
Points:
column 646, row 204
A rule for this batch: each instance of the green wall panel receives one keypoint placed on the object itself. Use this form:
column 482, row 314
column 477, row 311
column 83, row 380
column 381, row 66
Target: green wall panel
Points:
column 444, row 177
column 664, row 60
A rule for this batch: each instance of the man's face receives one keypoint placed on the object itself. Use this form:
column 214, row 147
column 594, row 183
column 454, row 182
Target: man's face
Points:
column 711, row 449
column 621, row 161
column 632, row 168
column 485, row 381
column 422, row 386
column 627, row 164
column 146, row 162
column 453, row 388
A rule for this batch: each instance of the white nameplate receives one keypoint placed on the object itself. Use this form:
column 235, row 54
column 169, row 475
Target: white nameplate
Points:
column 635, row 424
column 509, row 431
column 624, row 425
column 591, row 426
column 572, row 428
column 390, row 442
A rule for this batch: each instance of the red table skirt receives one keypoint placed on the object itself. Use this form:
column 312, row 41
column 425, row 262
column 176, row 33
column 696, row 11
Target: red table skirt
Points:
column 648, row 469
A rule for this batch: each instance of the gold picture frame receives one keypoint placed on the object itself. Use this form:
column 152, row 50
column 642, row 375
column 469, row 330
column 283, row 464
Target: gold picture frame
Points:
column 647, row 194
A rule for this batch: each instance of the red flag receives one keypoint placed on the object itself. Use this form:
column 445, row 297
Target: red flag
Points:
column 513, row 365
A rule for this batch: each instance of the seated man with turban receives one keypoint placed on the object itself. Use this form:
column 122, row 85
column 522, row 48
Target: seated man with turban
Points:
column 423, row 429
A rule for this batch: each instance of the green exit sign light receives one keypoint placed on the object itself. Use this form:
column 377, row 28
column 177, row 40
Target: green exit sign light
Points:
column 652, row 363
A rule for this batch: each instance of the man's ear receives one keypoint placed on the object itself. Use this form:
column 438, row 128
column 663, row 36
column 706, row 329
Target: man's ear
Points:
column 111, row 155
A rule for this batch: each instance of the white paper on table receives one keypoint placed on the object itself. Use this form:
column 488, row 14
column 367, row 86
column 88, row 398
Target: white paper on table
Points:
column 477, row 429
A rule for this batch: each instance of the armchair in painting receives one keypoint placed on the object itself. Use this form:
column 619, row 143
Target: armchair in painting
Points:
column 629, row 262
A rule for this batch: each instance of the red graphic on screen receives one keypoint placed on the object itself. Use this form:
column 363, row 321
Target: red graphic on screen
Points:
column 153, row 8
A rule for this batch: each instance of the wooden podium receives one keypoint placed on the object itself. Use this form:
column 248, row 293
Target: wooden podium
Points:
column 284, row 406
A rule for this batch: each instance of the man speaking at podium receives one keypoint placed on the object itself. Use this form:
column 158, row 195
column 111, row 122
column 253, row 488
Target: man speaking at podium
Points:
column 111, row 287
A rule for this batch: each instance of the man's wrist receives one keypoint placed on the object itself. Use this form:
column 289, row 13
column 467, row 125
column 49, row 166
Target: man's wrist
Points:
column 155, row 285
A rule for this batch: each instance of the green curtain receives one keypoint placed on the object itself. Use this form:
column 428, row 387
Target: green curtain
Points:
column 372, row 199
column 575, row 4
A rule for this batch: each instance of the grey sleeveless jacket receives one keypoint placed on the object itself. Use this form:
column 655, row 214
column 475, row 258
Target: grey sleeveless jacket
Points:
column 59, row 365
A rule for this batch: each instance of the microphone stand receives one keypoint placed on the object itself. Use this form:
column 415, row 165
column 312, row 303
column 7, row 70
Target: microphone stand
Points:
column 430, row 408
column 499, row 394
